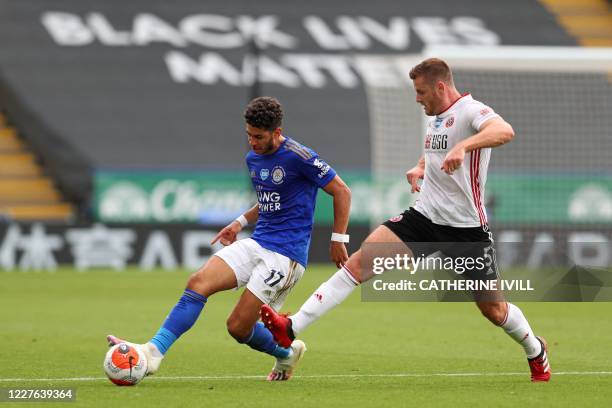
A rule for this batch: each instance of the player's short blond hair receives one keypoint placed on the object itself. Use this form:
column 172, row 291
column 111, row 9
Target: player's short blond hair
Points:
column 433, row 69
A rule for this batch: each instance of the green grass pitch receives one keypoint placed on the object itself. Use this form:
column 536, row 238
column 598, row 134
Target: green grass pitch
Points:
column 362, row 354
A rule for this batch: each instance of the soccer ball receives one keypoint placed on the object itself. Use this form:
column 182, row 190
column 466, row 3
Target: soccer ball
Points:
column 125, row 364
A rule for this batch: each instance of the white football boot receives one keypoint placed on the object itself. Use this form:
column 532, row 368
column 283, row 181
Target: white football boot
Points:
column 284, row 367
column 152, row 354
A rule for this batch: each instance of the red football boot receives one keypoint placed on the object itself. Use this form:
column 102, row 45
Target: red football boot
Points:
column 540, row 369
column 279, row 325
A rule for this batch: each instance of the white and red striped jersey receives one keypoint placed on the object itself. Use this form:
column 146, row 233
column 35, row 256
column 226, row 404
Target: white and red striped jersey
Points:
column 458, row 199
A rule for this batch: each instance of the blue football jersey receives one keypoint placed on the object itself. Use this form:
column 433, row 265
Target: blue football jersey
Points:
column 286, row 183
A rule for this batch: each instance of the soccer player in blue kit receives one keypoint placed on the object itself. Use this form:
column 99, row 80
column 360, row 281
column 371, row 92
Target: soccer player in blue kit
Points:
column 286, row 176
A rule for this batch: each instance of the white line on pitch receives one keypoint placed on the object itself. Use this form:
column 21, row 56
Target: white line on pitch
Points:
column 245, row 377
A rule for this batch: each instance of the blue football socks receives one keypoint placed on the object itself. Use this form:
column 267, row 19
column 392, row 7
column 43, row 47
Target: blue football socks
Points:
column 261, row 339
column 180, row 319
column 186, row 312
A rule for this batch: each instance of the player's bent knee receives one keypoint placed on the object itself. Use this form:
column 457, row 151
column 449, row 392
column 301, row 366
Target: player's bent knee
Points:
column 237, row 330
column 198, row 283
column 195, row 281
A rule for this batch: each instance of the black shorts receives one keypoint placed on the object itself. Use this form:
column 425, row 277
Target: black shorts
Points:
column 423, row 237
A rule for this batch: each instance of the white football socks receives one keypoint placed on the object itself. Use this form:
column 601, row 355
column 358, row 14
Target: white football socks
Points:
column 518, row 328
column 330, row 294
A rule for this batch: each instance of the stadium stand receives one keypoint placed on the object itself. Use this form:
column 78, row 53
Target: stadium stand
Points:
column 145, row 87
column 26, row 194
column 92, row 87
column 590, row 21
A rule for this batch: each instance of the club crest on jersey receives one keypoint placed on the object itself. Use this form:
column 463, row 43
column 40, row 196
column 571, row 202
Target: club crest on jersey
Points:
column 397, row 218
column 263, row 174
column 278, row 174
column 449, row 122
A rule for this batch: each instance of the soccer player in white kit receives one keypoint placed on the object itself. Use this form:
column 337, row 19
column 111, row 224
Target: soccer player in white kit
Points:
column 450, row 208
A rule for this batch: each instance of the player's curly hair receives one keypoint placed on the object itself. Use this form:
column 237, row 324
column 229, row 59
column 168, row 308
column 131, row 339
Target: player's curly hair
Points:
column 264, row 112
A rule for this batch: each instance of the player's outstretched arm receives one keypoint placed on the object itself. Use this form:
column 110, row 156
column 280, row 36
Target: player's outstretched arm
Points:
column 229, row 233
column 338, row 189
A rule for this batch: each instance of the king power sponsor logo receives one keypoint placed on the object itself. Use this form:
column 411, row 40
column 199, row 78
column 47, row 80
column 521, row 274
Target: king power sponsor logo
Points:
column 333, row 43
column 269, row 201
